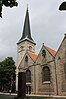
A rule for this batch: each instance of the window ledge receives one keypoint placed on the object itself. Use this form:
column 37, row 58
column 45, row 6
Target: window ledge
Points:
column 28, row 83
column 46, row 82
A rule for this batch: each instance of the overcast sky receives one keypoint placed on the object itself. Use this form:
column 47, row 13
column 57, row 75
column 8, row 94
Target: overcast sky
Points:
column 48, row 25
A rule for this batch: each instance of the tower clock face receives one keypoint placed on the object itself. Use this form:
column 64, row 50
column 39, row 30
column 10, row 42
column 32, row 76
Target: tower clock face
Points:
column 44, row 53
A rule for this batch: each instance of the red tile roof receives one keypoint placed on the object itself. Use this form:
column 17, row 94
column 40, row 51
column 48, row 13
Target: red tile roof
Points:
column 33, row 56
column 53, row 52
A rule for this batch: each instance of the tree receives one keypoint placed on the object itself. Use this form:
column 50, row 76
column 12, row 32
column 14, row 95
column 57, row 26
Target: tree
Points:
column 62, row 6
column 7, row 72
column 7, row 3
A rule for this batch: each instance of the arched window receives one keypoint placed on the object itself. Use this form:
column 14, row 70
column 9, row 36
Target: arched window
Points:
column 65, row 70
column 26, row 58
column 28, row 76
column 30, row 48
column 44, row 53
column 46, row 74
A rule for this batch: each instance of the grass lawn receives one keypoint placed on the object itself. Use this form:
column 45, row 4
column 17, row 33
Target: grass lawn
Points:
column 3, row 96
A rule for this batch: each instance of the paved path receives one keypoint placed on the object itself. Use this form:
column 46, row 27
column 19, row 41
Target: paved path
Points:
column 3, row 96
column 8, row 96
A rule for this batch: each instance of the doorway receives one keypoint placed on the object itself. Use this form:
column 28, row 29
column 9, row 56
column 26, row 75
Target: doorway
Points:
column 28, row 89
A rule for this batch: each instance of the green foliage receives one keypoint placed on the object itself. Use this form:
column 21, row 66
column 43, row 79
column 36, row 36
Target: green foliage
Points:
column 7, row 3
column 7, row 70
column 63, row 6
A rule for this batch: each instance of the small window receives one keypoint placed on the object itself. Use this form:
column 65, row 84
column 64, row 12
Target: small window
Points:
column 59, row 58
column 65, row 53
column 46, row 74
column 22, row 47
column 26, row 58
column 44, row 53
column 65, row 70
column 30, row 48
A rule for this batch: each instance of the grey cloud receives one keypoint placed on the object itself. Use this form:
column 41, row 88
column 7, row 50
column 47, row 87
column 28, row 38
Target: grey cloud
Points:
column 48, row 25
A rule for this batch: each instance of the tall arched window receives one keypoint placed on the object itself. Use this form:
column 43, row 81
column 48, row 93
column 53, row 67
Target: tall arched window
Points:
column 46, row 74
column 28, row 76
column 65, row 70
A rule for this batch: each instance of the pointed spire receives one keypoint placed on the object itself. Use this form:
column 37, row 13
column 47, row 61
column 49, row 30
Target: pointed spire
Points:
column 27, row 6
column 26, row 29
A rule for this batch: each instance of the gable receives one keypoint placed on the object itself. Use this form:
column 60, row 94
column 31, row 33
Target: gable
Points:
column 62, row 47
column 31, row 59
column 50, row 53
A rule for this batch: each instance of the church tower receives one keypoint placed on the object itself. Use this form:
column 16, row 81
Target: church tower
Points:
column 26, row 43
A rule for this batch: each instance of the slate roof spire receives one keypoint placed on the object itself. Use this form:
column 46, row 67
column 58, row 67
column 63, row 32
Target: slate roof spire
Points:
column 26, row 35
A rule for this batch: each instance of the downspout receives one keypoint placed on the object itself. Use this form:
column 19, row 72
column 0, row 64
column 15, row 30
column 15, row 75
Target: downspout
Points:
column 56, row 76
column 34, row 80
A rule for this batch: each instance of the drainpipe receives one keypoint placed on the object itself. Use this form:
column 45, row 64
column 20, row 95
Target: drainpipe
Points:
column 56, row 76
column 34, row 80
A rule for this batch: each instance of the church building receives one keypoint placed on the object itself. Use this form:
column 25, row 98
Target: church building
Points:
column 45, row 72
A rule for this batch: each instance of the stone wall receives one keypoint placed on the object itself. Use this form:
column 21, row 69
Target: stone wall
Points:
column 60, row 62
column 45, row 87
